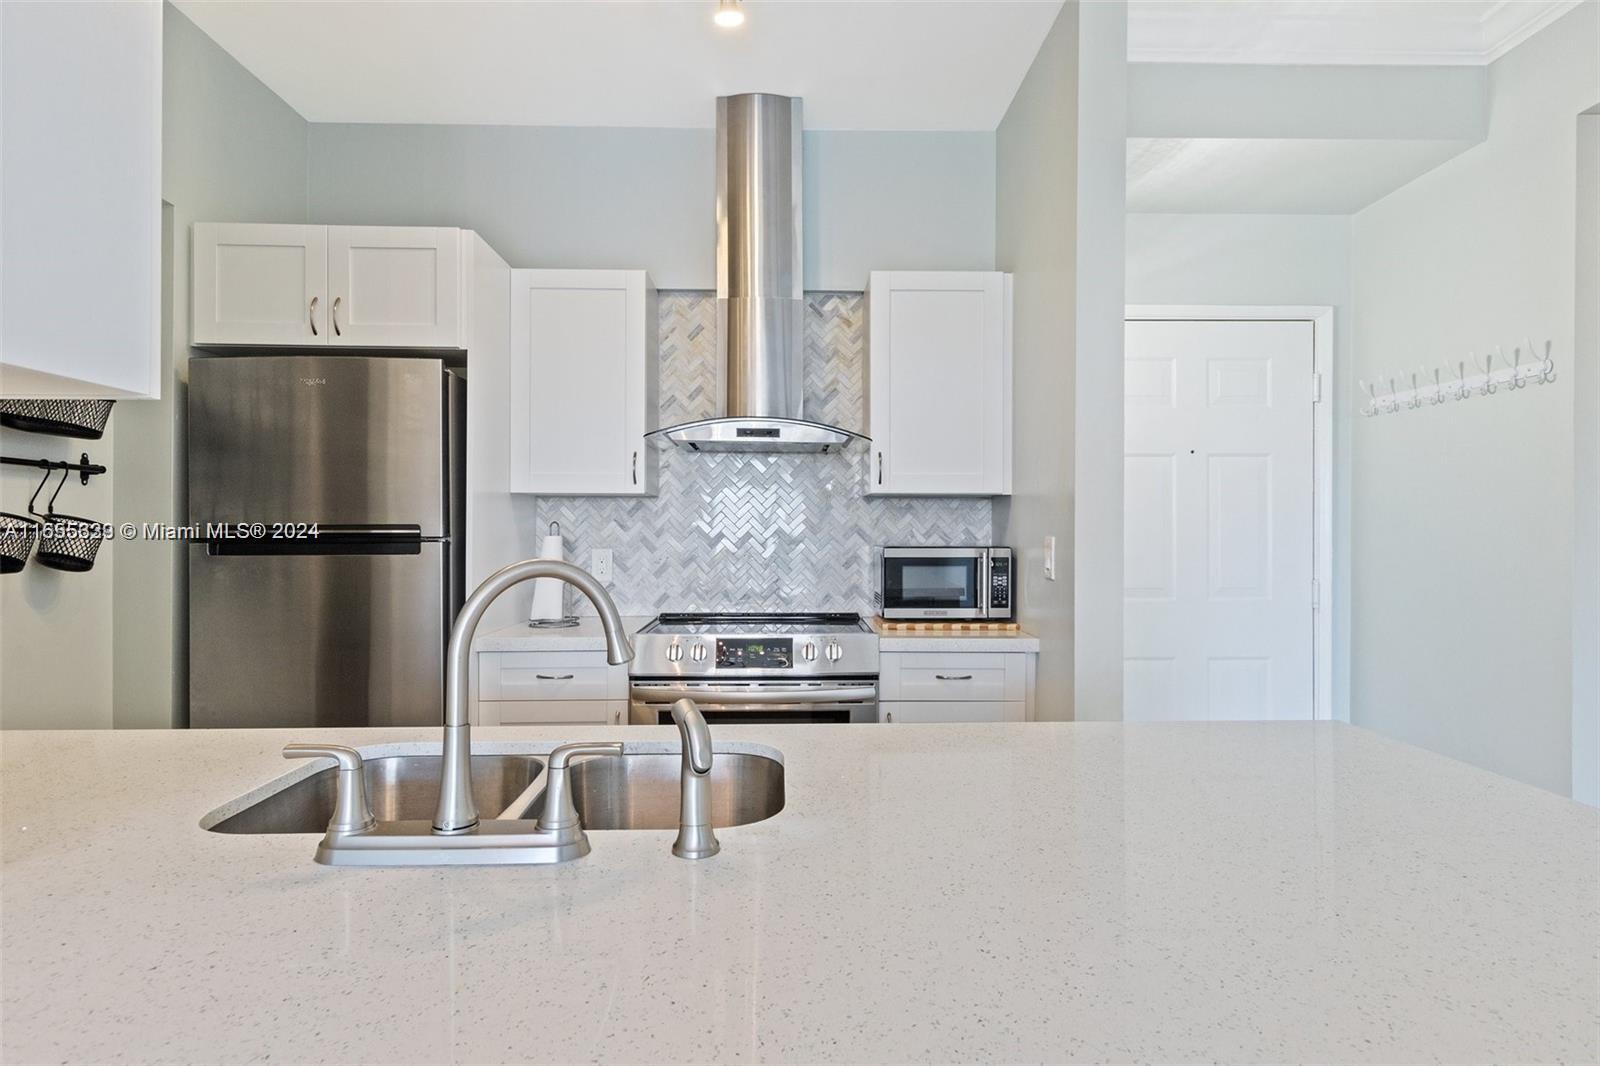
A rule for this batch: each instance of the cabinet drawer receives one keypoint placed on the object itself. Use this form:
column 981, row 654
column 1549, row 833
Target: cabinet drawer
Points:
column 549, row 676
column 940, row 677
column 552, row 712
column 907, row 712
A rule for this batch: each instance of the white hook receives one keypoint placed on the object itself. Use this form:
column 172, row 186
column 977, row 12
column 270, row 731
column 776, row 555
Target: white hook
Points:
column 1437, row 397
column 1462, row 392
column 1488, row 374
column 1372, row 408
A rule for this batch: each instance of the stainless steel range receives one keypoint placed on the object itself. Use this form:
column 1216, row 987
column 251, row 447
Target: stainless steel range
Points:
column 756, row 668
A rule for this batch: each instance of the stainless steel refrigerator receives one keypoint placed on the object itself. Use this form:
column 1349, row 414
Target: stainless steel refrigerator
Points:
column 344, row 624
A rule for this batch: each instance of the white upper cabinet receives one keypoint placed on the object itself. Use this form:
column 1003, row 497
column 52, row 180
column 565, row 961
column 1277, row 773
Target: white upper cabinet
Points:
column 352, row 286
column 583, row 382
column 940, row 383
column 80, row 193
column 259, row 284
column 394, row 286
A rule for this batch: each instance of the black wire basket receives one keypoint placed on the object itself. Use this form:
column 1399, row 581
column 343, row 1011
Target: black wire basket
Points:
column 18, row 534
column 66, row 542
column 84, row 419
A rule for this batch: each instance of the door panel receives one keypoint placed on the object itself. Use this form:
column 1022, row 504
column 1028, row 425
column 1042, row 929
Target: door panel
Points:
column 580, row 382
column 394, row 286
column 310, row 641
column 254, row 284
column 338, row 440
column 940, row 385
column 1218, row 548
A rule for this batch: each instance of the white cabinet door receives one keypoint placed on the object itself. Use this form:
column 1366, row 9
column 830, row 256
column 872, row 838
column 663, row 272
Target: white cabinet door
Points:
column 583, row 373
column 394, row 287
column 1217, row 527
column 259, row 284
column 80, row 193
column 940, row 383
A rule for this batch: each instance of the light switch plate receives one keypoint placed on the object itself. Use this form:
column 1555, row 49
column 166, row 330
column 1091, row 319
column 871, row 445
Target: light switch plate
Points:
column 1050, row 558
column 600, row 565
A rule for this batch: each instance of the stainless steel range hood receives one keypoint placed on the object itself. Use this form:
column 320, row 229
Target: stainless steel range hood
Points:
column 760, row 299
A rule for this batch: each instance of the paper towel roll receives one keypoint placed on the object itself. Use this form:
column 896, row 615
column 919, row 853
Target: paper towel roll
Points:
column 548, row 593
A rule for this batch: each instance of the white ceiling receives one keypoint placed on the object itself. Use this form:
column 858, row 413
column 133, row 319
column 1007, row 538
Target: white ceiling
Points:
column 1420, row 32
column 906, row 65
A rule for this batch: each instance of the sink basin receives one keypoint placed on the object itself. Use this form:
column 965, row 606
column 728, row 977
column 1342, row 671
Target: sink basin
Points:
column 398, row 786
column 641, row 791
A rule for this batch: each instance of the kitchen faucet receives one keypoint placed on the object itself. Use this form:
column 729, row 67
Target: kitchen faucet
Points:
column 456, row 836
column 695, row 838
column 457, row 813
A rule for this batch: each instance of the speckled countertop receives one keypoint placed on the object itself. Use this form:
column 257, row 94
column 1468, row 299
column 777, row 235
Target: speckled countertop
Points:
column 587, row 636
column 1244, row 892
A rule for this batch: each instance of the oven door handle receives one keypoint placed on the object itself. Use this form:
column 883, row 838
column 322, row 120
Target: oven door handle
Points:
column 768, row 695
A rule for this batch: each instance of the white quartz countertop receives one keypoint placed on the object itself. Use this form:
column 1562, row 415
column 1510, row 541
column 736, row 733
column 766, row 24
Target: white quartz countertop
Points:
column 585, row 636
column 1269, row 892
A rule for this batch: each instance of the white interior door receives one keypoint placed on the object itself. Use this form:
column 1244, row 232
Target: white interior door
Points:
column 1218, row 521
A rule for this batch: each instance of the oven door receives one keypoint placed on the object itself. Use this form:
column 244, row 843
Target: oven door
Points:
column 757, row 700
column 950, row 583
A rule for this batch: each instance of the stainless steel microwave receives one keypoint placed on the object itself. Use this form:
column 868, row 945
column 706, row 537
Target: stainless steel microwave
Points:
column 948, row 584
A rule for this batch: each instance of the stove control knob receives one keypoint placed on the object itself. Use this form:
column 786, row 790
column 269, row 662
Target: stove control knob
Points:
column 674, row 652
column 698, row 651
column 808, row 652
column 835, row 651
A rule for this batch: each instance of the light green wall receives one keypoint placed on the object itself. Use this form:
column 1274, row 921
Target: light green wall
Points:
column 1462, row 516
column 591, row 197
column 231, row 150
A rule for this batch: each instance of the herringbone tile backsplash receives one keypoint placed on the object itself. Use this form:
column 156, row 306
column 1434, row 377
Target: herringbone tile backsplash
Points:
column 739, row 531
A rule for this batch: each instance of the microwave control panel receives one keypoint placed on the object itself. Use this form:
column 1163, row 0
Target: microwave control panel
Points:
column 1000, row 584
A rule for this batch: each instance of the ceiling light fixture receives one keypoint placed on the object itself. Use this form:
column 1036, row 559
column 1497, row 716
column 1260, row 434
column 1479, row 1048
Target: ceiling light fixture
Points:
column 729, row 14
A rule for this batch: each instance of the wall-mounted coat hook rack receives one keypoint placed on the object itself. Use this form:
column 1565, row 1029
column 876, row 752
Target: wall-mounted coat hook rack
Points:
column 1526, row 364
column 83, row 466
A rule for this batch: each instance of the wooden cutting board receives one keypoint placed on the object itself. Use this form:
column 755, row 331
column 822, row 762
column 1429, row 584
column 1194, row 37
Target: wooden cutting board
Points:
column 921, row 626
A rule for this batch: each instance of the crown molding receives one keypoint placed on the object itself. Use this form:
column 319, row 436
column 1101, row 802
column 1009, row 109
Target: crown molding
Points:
column 1348, row 32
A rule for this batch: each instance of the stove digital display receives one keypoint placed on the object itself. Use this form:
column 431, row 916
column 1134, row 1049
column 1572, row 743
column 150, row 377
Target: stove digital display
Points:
column 766, row 653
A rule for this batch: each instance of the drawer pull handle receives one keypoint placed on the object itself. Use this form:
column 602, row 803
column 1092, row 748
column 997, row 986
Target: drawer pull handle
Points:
column 553, row 677
column 953, row 677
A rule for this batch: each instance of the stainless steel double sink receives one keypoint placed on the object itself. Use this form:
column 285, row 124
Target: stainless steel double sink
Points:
column 635, row 791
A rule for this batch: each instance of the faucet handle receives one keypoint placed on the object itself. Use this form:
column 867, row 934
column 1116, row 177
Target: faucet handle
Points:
column 559, row 814
column 351, row 811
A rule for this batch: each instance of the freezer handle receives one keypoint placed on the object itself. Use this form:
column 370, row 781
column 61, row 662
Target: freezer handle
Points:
column 301, row 538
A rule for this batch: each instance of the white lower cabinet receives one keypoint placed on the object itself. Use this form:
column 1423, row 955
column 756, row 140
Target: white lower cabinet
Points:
column 550, row 688
column 908, row 711
column 955, row 687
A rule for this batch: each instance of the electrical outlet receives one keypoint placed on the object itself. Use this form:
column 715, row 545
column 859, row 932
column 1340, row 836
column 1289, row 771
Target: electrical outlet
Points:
column 1050, row 558
column 600, row 565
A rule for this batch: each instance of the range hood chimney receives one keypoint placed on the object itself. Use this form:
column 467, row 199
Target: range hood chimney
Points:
column 760, row 295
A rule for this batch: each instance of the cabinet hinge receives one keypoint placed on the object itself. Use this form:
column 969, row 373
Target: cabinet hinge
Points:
column 1316, row 388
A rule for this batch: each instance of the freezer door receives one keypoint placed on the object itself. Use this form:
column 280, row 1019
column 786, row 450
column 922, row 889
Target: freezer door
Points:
column 339, row 440
column 317, row 640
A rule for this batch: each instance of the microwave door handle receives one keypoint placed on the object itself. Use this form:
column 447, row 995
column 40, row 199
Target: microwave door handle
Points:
column 980, row 605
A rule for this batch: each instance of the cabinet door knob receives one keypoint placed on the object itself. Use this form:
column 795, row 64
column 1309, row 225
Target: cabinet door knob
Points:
column 635, row 468
column 888, row 716
column 337, row 332
column 312, row 316
column 880, row 468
